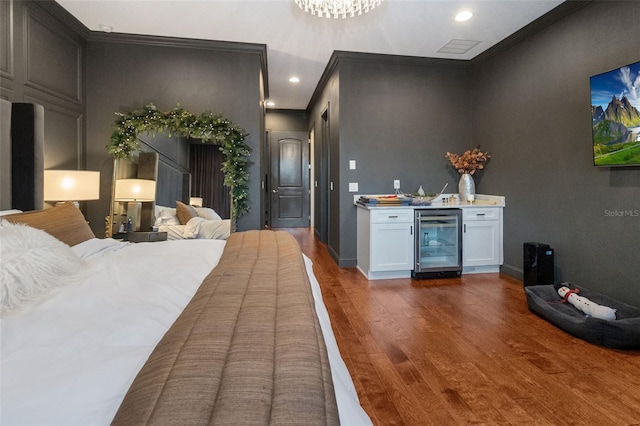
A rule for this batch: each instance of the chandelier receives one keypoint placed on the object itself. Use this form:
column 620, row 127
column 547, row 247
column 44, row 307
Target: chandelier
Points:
column 337, row 8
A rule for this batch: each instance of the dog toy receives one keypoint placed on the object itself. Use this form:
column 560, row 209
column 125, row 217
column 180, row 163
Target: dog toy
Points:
column 585, row 305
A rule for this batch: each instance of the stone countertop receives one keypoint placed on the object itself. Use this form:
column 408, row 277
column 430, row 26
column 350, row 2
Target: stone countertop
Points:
column 442, row 202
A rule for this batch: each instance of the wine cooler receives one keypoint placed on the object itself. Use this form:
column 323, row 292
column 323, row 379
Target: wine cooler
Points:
column 438, row 243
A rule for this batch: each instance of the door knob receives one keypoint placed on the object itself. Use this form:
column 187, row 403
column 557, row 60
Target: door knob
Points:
column 275, row 191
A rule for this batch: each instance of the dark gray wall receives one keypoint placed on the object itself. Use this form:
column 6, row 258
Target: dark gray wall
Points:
column 325, row 135
column 531, row 110
column 397, row 118
column 287, row 120
column 527, row 105
column 124, row 73
column 48, row 57
column 41, row 61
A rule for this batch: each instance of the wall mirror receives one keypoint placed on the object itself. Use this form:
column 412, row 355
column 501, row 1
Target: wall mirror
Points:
column 220, row 180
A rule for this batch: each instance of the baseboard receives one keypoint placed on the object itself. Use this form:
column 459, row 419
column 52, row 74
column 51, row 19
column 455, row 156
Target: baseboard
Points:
column 347, row 263
column 342, row 263
column 512, row 271
column 333, row 255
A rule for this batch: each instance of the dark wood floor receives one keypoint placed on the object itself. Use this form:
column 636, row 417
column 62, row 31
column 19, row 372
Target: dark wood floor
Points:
column 467, row 351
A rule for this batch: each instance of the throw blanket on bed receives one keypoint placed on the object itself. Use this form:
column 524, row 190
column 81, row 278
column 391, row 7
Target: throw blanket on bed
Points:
column 247, row 350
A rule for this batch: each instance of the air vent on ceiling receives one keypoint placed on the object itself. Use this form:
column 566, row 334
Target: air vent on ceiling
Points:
column 458, row 46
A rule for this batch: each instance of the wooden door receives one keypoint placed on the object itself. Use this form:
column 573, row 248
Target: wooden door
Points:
column 289, row 180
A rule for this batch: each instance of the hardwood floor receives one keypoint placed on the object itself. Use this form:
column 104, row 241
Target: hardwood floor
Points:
column 467, row 351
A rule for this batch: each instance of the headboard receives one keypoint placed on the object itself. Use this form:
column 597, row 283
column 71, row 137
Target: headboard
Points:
column 21, row 156
column 173, row 180
column 173, row 185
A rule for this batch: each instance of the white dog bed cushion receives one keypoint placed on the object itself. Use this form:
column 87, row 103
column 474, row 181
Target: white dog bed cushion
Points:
column 621, row 333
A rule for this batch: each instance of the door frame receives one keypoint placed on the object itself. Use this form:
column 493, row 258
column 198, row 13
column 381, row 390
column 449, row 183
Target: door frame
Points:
column 312, row 173
column 321, row 176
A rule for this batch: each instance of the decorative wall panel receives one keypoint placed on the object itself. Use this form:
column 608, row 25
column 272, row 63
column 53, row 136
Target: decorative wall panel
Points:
column 63, row 148
column 53, row 60
column 6, row 39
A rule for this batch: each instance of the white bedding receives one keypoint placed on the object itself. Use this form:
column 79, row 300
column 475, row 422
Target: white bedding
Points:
column 198, row 228
column 174, row 232
column 207, row 225
column 70, row 360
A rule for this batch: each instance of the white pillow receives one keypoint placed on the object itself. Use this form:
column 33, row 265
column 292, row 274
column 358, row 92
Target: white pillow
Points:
column 166, row 216
column 159, row 209
column 207, row 213
column 34, row 265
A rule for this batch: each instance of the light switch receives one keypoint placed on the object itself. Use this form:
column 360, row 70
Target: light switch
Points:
column 353, row 186
column 352, row 164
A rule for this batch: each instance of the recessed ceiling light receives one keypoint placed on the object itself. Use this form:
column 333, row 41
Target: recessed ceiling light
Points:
column 465, row 15
column 271, row 103
column 294, row 80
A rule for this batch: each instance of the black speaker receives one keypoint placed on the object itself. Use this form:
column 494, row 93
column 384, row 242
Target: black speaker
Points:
column 538, row 264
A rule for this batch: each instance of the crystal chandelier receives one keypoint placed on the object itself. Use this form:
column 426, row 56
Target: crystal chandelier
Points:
column 337, row 8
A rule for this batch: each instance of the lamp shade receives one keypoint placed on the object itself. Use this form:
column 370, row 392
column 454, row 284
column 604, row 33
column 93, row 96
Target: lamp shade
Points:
column 135, row 190
column 71, row 185
column 195, row 201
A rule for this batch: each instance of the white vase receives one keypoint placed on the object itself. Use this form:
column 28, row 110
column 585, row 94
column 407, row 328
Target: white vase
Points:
column 466, row 186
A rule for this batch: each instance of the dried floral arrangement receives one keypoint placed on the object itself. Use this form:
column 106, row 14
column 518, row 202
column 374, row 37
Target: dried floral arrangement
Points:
column 470, row 161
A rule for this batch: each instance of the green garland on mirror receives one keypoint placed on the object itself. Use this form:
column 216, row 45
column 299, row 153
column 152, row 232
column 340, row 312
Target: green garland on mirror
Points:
column 206, row 127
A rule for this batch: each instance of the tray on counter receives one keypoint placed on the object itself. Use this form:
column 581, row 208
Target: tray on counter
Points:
column 384, row 200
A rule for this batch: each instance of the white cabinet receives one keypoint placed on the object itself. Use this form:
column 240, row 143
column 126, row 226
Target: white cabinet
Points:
column 385, row 243
column 482, row 240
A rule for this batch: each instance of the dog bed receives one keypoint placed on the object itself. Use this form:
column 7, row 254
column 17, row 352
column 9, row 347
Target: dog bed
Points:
column 621, row 333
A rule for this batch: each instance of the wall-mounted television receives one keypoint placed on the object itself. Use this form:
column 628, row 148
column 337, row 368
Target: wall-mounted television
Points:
column 615, row 116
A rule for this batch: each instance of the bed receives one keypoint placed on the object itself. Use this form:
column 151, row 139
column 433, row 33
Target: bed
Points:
column 172, row 332
column 188, row 222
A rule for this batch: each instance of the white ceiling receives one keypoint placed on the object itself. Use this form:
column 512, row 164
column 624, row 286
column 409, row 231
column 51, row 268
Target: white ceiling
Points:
column 301, row 44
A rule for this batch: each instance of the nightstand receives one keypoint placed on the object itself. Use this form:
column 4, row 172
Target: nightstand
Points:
column 144, row 237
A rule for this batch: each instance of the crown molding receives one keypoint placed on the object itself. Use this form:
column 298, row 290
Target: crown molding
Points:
column 89, row 36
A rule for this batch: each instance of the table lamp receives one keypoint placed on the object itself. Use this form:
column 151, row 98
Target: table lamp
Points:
column 71, row 185
column 195, row 201
column 135, row 191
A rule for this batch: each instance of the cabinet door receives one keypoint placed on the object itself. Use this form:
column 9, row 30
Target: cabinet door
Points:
column 391, row 246
column 481, row 243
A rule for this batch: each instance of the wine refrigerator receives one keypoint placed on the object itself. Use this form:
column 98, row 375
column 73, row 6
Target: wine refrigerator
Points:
column 438, row 243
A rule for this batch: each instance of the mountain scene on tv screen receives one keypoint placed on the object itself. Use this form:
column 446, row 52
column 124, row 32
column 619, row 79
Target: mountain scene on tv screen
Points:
column 615, row 115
